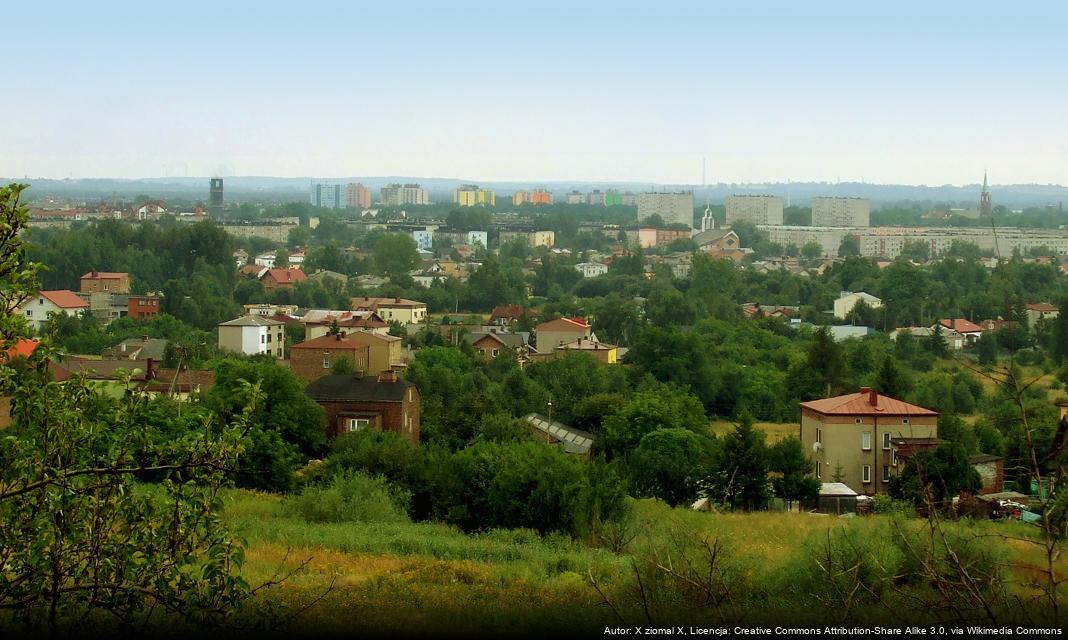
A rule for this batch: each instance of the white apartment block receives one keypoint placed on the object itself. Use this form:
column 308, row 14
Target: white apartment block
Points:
column 331, row 196
column 755, row 209
column 829, row 238
column 673, row 208
column 841, row 212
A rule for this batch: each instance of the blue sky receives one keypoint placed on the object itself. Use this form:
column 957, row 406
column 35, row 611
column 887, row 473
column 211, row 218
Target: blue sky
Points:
column 917, row 93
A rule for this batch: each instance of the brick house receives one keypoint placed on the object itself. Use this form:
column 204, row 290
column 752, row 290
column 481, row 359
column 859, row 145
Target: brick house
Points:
column 279, row 278
column 105, row 281
column 142, row 307
column 312, row 359
column 864, row 434
column 354, row 403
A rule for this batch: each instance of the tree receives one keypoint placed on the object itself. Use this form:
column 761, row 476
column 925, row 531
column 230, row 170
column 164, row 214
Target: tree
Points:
column 1059, row 352
column 987, row 348
column 67, row 466
column 825, row 364
column 741, row 478
column 936, row 476
column 669, row 464
column 890, row 381
column 850, row 246
column 652, row 410
column 395, row 254
column 811, row 250
column 936, row 343
column 796, row 483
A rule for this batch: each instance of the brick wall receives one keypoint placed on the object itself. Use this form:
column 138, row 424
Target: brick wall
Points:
column 307, row 364
column 387, row 416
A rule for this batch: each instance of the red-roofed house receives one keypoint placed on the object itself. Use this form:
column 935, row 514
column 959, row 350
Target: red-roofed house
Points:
column 561, row 331
column 279, row 278
column 23, row 349
column 38, row 308
column 106, row 282
column 507, row 314
column 859, row 434
column 971, row 331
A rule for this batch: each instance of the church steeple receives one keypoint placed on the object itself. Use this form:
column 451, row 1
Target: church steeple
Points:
column 986, row 206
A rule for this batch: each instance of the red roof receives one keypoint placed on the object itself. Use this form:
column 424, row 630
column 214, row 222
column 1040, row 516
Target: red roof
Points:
column 105, row 275
column 286, row 276
column 507, row 312
column 960, row 325
column 22, row 349
column 64, row 299
column 564, row 324
column 859, row 404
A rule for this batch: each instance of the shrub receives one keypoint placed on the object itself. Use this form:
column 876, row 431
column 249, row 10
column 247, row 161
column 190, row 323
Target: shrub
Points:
column 351, row 497
column 376, row 453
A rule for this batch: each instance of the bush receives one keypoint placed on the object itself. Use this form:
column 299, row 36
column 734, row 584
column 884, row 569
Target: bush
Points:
column 376, row 453
column 351, row 497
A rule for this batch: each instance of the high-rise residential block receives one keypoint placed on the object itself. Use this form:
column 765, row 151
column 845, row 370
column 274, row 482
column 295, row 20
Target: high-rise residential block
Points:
column 330, row 196
column 596, row 198
column 396, row 195
column 535, row 197
column 673, row 208
column 357, row 196
column 215, row 195
column 841, row 212
column 471, row 195
column 755, row 209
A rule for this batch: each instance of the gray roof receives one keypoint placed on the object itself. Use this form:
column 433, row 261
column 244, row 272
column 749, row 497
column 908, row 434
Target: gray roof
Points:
column 251, row 321
column 573, row 440
column 347, row 388
column 836, row 489
column 151, row 348
column 512, row 340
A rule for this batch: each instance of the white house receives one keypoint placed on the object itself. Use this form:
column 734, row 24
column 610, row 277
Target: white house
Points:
column 265, row 260
column 424, row 239
column 845, row 302
column 478, row 237
column 253, row 334
column 62, row 302
column 591, row 269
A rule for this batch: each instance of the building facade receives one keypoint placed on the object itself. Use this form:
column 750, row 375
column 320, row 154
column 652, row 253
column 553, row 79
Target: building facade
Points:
column 37, row 309
column 252, row 335
column 379, row 403
column 535, row 197
column 755, row 209
column 105, row 282
column 840, row 212
column 357, row 196
column 857, row 437
column 673, row 208
column 330, row 196
column 398, row 195
column 470, row 195
column 142, row 307
column 392, row 309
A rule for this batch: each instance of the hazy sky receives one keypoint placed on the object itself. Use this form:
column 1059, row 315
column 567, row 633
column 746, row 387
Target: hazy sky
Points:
column 918, row 93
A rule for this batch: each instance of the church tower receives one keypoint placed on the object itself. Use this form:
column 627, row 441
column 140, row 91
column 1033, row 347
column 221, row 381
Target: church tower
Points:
column 986, row 207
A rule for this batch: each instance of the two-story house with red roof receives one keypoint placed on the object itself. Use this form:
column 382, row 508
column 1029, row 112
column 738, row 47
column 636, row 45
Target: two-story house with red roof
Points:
column 857, row 436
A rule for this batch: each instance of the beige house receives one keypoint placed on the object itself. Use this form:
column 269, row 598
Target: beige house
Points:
column 1041, row 311
column 389, row 309
column 252, row 335
column 561, row 331
column 859, row 435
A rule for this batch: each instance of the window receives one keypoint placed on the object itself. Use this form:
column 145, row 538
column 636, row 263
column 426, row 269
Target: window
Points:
column 865, row 441
column 40, row 300
column 270, row 338
column 886, row 442
column 856, row 420
column 357, row 424
column 326, row 360
column 819, row 469
column 263, row 339
column 496, row 352
column 904, row 421
column 29, row 313
column 867, row 473
column 886, row 473
column 481, row 352
column 893, row 459
column 819, row 435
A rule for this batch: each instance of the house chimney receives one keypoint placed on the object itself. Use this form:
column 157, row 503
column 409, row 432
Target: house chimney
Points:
column 149, row 373
column 389, row 375
column 397, row 300
column 873, row 397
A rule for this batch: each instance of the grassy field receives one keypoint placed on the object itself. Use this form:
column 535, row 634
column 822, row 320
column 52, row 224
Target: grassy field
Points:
column 774, row 431
column 430, row 578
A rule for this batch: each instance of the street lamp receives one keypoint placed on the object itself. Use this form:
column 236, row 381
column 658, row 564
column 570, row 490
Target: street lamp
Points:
column 548, row 434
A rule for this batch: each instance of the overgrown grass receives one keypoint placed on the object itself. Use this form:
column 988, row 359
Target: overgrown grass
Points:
column 424, row 577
